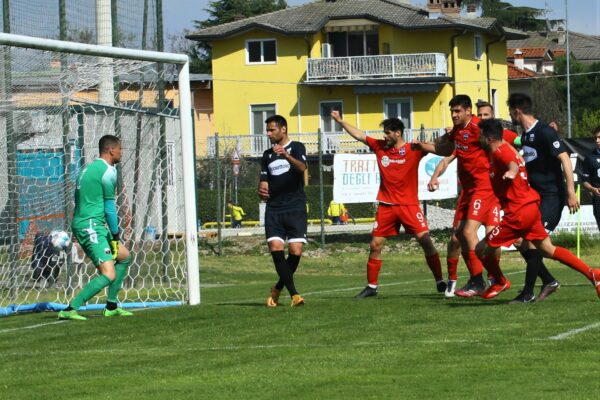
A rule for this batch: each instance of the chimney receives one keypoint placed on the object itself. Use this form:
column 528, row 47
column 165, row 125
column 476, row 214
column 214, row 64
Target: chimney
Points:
column 519, row 61
column 450, row 8
column 471, row 11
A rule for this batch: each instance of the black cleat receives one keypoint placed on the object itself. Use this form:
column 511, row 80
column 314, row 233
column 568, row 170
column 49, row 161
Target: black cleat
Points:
column 366, row 292
column 441, row 286
column 523, row 298
column 548, row 289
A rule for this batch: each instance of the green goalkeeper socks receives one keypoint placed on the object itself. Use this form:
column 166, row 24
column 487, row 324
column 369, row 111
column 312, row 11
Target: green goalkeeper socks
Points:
column 115, row 286
column 90, row 290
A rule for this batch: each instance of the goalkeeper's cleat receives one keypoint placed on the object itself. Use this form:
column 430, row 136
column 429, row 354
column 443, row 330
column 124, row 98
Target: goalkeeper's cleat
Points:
column 297, row 301
column 117, row 312
column 71, row 315
column 368, row 291
column 273, row 300
column 441, row 286
column 451, row 287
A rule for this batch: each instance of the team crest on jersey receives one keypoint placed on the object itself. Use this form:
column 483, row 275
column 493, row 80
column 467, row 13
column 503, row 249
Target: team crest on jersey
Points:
column 466, row 136
column 107, row 251
column 532, row 137
column 402, row 151
column 385, row 161
column 556, row 144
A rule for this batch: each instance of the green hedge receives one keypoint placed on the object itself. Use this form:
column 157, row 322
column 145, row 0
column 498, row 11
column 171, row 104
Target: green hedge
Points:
column 248, row 200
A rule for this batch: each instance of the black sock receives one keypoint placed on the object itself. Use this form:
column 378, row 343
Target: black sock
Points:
column 284, row 271
column 478, row 279
column 69, row 308
column 545, row 274
column 111, row 306
column 535, row 262
column 293, row 262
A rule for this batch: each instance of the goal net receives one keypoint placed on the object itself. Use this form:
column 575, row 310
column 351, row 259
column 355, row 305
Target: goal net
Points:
column 56, row 100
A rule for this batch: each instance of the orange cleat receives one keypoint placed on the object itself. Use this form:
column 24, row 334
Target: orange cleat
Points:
column 496, row 289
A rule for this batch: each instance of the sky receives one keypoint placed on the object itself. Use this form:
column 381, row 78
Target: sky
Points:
column 583, row 16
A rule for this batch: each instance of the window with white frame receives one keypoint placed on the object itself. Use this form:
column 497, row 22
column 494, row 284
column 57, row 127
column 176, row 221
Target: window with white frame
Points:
column 262, row 51
column 327, row 123
column 398, row 108
column 258, row 114
column 478, row 47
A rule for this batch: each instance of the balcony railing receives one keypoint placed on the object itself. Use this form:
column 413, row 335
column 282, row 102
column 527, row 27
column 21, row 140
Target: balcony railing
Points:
column 377, row 67
column 334, row 142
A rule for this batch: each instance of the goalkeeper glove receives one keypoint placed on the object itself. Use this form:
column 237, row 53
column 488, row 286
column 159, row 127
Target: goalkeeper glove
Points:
column 114, row 246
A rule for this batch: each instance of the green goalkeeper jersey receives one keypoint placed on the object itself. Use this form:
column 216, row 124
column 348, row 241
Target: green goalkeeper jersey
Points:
column 95, row 189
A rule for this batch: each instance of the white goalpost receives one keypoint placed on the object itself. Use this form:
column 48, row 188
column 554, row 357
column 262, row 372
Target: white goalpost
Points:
column 53, row 110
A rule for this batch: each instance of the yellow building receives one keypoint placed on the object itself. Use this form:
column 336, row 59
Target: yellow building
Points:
column 371, row 59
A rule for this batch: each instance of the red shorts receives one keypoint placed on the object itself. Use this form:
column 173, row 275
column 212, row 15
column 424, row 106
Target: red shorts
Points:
column 389, row 218
column 526, row 224
column 478, row 206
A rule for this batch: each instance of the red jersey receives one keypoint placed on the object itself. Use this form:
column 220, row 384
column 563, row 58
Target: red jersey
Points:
column 512, row 193
column 399, row 172
column 509, row 136
column 473, row 163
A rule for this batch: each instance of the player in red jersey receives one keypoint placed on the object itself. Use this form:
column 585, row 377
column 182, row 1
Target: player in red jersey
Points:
column 398, row 198
column 484, row 111
column 477, row 198
column 522, row 217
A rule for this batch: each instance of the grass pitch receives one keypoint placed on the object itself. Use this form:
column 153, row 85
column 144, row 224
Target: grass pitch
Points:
column 408, row 343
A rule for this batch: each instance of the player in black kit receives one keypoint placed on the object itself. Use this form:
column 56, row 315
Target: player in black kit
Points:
column 547, row 162
column 282, row 187
column 591, row 175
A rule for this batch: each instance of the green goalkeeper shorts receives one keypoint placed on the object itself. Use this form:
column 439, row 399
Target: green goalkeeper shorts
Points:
column 95, row 242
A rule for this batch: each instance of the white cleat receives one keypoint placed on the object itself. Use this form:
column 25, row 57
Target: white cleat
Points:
column 450, row 289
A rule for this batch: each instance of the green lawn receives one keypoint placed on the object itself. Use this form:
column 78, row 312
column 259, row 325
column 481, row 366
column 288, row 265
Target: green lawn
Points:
column 408, row 343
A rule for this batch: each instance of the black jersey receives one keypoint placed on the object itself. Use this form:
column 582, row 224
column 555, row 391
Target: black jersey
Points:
column 541, row 146
column 286, row 184
column 591, row 168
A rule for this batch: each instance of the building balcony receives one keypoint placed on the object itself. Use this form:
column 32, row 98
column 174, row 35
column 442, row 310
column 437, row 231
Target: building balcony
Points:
column 253, row 146
column 384, row 67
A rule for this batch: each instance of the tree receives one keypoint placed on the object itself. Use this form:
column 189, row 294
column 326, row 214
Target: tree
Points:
column 523, row 18
column 585, row 86
column 221, row 12
column 549, row 102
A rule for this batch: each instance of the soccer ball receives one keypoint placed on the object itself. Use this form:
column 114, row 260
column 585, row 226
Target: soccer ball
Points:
column 60, row 240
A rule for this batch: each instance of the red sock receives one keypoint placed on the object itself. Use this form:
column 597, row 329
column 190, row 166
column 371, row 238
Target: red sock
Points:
column 452, row 268
column 566, row 257
column 476, row 265
column 373, row 267
column 468, row 262
column 492, row 266
column 435, row 265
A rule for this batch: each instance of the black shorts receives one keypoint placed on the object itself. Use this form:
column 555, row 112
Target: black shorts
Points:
column 551, row 208
column 290, row 226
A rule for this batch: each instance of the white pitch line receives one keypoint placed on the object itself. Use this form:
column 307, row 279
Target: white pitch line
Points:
column 346, row 289
column 31, row 326
column 574, row 331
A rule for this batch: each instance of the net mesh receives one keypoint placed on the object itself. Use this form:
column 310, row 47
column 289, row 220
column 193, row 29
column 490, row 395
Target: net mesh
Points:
column 54, row 107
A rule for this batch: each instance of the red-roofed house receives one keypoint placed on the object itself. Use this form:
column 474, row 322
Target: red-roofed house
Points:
column 536, row 59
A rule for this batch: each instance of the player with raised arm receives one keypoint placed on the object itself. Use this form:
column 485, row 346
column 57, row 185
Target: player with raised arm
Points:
column 477, row 198
column 96, row 228
column 398, row 199
column 521, row 206
column 282, row 187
